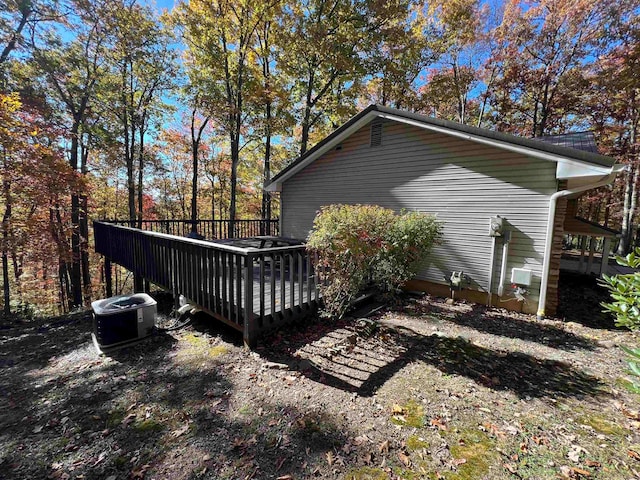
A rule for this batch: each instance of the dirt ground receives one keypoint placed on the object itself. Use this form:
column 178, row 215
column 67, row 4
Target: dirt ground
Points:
column 423, row 390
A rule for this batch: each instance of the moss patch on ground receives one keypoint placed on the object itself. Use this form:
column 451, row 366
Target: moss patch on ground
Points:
column 411, row 414
column 415, row 442
column 601, row 425
column 366, row 473
column 478, row 452
column 148, row 426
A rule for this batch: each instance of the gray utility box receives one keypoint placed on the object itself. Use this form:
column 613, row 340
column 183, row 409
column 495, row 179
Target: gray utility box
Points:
column 123, row 319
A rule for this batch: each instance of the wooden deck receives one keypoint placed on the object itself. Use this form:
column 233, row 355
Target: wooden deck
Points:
column 252, row 289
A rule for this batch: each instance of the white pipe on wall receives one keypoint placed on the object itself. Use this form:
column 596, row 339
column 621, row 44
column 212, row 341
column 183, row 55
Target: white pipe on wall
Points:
column 505, row 256
column 553, row 200
column 493, row 258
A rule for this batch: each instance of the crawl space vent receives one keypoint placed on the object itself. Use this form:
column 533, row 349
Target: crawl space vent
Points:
column 376, row 134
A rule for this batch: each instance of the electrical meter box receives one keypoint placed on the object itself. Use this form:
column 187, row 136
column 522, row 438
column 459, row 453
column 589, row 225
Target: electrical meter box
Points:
column 521, row 276
column 118, row 321
column 495, row 226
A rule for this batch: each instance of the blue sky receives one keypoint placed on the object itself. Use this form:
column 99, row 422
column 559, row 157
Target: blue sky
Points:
column 161, row 4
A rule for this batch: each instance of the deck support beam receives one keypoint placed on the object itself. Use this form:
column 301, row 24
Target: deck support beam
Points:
column 592, row 249
column 108, row 280
column 606, row 249
column 249, row 333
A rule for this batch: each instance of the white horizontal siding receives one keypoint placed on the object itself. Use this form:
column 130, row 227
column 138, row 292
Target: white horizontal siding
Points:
column 462, row 182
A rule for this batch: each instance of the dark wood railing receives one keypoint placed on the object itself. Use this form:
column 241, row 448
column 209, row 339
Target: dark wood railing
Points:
column 253, row 290
column 210, row 229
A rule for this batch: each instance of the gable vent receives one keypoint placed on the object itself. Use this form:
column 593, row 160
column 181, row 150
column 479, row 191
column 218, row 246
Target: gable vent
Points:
column 376, row 135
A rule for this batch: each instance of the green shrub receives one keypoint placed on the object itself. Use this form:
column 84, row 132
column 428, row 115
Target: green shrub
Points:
column 633, row 357
column 625, row 292
column 363, row 245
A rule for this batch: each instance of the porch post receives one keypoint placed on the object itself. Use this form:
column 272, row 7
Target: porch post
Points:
column 606, row 248
column 592, row 249
column 249, row 334
column 583, row 244
column 107, row 277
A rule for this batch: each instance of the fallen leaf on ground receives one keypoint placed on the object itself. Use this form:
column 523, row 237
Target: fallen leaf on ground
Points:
column 540, row 440
column 139, row 472
column 404, row 458
column 634, row 454
column 180, row 431
column 580, row 471
column 397, row 409
column 384, row 447
column 575, row 452
column 494, row 429
column 101, row 457
column 128, row 419
column 510, row 467
column 459, row 461
column 438, row 422
column 330, row 457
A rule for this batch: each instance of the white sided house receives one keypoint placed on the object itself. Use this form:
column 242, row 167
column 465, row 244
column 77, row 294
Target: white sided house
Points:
column 502, row 199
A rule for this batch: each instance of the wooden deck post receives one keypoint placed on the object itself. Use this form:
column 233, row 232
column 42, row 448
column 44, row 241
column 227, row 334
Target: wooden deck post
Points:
column 108, row 281
column 249, row 333
column 606, row 248
column 583, row 246
column 592, row 249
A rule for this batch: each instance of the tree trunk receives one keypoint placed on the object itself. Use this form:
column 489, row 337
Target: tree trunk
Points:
column 627, row 211
column 6, row 288
column 57, row 232
column 196, row 138
column 195, row 146
column 213, row 198
column 84, row 233
column 306, row 119
column 141, row 170
column 235, row 157
column 25, row 8
column 129, row 143
column 76, row 276
column 266, row 197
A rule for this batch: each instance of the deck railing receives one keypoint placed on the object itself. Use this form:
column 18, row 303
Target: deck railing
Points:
column 211, row 229
column 253, row 290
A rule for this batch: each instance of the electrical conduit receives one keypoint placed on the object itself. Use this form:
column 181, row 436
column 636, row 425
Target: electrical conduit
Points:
column 506, row 239
column 493, row 258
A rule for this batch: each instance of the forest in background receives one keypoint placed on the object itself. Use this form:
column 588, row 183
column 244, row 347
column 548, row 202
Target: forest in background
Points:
column 115, row 109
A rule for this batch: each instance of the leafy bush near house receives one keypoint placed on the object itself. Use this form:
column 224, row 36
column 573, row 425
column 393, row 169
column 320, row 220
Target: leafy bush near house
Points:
column 625, row 293
column 363, row 245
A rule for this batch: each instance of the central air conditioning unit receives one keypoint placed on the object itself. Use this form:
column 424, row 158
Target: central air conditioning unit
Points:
column 122, row 320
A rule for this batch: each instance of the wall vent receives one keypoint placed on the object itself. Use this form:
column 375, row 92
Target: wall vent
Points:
column 376, row 135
